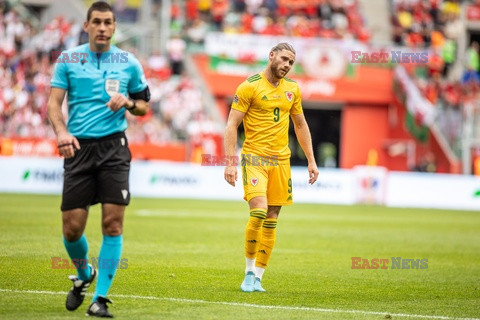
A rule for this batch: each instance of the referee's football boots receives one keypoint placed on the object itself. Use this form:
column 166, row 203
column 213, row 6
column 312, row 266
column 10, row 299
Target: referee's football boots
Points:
column 99, row 308
column 77, row 293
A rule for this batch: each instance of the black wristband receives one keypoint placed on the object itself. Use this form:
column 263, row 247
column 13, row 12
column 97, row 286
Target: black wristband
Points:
column 133, row 107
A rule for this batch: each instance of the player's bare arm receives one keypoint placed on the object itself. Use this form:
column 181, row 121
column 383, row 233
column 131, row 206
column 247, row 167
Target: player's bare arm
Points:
column 234, row 119
column 305, row 140
column 136, row 107
column 65, row 141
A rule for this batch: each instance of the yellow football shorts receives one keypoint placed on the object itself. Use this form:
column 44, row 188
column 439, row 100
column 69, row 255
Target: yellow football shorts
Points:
column 271, row 179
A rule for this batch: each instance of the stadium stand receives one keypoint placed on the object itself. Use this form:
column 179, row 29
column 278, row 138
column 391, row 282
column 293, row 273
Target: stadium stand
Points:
column 339, row 19
column 27, row 66
column 450, row 80
column 438, row 26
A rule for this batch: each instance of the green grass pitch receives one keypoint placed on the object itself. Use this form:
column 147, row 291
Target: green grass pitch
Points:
column 185, row 261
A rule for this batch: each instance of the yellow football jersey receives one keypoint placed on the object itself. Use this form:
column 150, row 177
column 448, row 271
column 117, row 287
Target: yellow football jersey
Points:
column 267, row 114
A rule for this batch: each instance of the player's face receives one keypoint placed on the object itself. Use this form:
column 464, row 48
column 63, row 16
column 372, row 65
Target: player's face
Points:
column 100, row 29
column 281, row 62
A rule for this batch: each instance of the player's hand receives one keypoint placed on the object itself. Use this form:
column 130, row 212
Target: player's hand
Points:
column 312, row 172
column 118, row 101
column 67, row 144
column 231, row 174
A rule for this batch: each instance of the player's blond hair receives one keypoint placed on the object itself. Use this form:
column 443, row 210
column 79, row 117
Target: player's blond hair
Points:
column 283, row 46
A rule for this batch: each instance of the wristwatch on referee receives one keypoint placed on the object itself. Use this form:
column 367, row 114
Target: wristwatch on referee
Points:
column 132, row 107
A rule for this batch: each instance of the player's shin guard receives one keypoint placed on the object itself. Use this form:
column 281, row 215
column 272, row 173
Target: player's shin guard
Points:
column 253, row 232
column 267, row 243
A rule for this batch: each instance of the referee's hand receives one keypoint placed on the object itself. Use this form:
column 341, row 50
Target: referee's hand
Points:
column 231, row 174
column 118, row 101
column 67, row 144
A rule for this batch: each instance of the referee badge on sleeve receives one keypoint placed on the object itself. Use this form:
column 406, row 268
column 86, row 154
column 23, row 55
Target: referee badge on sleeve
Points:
column 112, row 86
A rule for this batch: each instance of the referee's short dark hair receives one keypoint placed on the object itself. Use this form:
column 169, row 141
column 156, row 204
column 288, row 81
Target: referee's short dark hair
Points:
column 99, row 6
column 283, row 46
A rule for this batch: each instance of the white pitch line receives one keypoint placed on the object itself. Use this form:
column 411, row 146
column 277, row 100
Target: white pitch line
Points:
column 250, row 305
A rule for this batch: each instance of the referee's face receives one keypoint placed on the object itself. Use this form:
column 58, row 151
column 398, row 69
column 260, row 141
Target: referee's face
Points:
column 100, row 29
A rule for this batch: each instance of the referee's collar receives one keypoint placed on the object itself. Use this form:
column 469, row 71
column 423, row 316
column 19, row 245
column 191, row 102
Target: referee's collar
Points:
column 93, row 53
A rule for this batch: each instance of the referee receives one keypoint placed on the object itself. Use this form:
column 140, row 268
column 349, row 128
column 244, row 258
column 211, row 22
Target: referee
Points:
column 103, row 83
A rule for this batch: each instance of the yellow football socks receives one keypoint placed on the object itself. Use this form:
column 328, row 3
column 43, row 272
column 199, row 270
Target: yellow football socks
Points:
column 253, row 232
column 267, row 242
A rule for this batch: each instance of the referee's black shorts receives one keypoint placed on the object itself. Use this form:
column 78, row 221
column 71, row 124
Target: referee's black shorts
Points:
column 98, row 173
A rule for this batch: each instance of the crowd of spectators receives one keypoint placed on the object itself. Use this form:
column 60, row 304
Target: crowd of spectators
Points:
column 176, row 106
column 24, row 79
column 339, row 19
column 26, row 68
column 436, row 25
column 425, row 23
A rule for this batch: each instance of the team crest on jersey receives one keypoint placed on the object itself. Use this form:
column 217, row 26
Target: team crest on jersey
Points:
column 235, row 99
column 112, row 86
column 289, row 95
column 254, row 181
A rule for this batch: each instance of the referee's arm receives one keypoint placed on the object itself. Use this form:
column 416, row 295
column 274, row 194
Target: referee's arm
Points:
column 138, row 102
column 139, row 108
column 65, row 142
column 54, row 110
